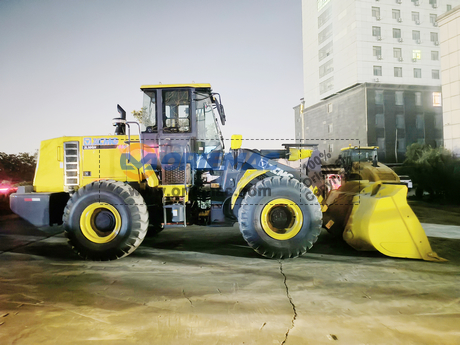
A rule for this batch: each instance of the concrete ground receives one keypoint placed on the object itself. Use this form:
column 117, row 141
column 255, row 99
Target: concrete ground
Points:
column 205, row 286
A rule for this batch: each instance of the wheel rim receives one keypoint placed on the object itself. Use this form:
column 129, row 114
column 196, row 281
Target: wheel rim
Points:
column 100, row 222
column 281, row 219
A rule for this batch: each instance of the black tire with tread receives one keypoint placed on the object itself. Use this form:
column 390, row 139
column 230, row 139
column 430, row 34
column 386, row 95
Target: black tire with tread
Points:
column 250, row 213
column 131, row 207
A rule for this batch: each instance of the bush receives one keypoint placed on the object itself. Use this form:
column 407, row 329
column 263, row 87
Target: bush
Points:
column 434, row 170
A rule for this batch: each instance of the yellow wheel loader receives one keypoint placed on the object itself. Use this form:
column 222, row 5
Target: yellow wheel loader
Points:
column 170, row 169
column 370, row 209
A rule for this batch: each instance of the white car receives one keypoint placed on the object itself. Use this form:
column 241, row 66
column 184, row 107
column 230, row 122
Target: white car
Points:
column 406, row 180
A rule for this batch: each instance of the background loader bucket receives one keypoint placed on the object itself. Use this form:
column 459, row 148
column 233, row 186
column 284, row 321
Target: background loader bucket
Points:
column 382, row 220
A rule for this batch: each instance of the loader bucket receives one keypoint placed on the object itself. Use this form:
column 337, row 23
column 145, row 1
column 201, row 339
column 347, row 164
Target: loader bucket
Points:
column 382, row 220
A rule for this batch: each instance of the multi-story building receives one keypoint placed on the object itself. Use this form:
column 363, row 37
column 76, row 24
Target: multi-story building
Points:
column 371, row 74
column 449, row 26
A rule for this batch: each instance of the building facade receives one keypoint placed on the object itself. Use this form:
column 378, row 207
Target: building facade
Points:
column 449, row 25
column 352, row 47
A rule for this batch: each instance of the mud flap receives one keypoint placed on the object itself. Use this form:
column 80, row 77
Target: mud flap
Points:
column 382, row 220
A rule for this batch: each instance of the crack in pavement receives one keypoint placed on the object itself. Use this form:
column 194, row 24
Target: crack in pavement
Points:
column 294, row 317
column 188, row 299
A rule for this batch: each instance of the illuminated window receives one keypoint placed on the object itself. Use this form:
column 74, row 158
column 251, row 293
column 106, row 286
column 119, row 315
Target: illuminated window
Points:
column 436, row 99
column 417, row 54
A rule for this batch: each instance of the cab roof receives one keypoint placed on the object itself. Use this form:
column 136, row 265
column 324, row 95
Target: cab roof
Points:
column 360, row 148
column 166, row 86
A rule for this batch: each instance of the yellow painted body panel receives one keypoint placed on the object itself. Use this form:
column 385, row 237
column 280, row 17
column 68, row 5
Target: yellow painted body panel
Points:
column 49, row 173
column 236, row 141
column 382, row 220
column 248, row 176
column 101, row 157
column 297, row 154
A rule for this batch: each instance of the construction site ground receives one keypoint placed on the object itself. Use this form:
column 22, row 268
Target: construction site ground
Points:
column 204, row 285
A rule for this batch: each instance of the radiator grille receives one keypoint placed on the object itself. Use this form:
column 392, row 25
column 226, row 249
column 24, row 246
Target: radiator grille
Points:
column 175, row 176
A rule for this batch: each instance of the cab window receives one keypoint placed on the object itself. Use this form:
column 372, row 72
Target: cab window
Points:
column 147, row 117
column 176, row 111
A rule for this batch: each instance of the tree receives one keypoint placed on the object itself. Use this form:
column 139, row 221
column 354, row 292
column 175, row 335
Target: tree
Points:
column 17, row 167
column 434, row 170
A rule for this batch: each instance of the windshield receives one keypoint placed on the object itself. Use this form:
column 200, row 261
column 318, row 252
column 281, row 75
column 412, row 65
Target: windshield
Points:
column 363, row 155
column 208, row 130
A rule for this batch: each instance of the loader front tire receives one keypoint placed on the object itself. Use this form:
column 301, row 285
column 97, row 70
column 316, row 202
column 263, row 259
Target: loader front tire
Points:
column 280, row 217
column 105, row 220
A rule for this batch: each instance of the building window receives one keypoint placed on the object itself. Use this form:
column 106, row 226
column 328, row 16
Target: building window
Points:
column 326, row 85
column 439, row 142
column 377, row 51
column 434, row 55
column 418, row 99
column 436, row 99
column 329, row 108
column 376, row 12
column 396, row 33
column 381, row 144
column 416, row 54
column 399, row 97
column 435, row 74
column 401, row 145
column 324, row 17
column 396, row 14
column 433, row 36
column 421, row 141
column 379, row 97
column 400, row 121
column 416, row 35
column 326, row 68
column 416, row 17
column 325, row 51
column 419, row 122
column 376, row 32
column 377, row 70
column 379, row 120
column 417, row 72
column 449, row 7
column 438, row 121
column 433, row 2
column 325, row 34
column 330, row 148
column 433, row 18
column 398, row 71
column 397, row 53
column 329, row 128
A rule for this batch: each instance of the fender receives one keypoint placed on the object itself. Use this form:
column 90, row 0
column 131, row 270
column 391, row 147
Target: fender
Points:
column 248, row 176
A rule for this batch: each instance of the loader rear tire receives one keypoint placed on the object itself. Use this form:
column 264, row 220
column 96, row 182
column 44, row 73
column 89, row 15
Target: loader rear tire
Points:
column 105, row 220
column 280, row 217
